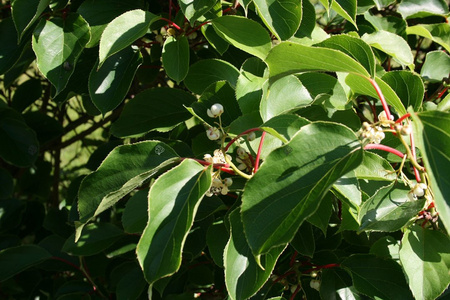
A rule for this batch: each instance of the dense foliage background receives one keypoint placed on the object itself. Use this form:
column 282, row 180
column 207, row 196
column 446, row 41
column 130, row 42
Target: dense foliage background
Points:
column 115, row 116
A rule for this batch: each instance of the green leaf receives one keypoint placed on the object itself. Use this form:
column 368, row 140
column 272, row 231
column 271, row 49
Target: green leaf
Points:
column 425, row 257
column 175, row 57
column 10, row 51
column 308, row 22
column 99, row 13
column 135, row 217
column 389, row 209
column 377, row 277
column 282, row 17
column 207, row 71
column 123, row 31
column 58, row 43
column 26, row 12
column 214, row 39
column 20, row 146
column 217, row 238
column 383, row 3
column 436, row 66
column 173, row 201
column 288, row 58
column 218, row 92
column 438, row 33
column 347, row 9
column 7, row 186
column 353, row 47
column 94, row 239
column 243, row 276
column 46, row 127
column 347, row 189
column 392, row 24
column 282, row 96
column 362, row 86
column 374, row 167
column 408, row 86
column 249, row 85
column 124, row 169
column 386, row 247
column 418, row 9
column 391, row 44
column 293, row 180
column 432, row 134
column 194, row 9
column 244, row 34
column 131, row 284
column 444, row 105
column 17, row 259
column 26, row 94
column 144, row 112
column 109, row 84
column 303, row 241
column 321, row 216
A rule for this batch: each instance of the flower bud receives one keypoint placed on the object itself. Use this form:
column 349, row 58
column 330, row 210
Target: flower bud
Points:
column 251, row 136
column 315, row 284
column 213, row 133
column 215, row 110
column 406, row 130
column 228, row 181
column 384, row 121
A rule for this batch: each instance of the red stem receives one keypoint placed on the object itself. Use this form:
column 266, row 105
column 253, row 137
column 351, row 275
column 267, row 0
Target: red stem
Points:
column 442, row 93
column 382, row 99
column 259, row 151
column 223, row 167
column 291, row 263
column 413, row 152
column 384, row 148
column 172, row 24
column 197, row 28
column 283, row 276
column 328, row 266
column 403, row 117
column 241, row 134
column 66, row 262
column 170, row 9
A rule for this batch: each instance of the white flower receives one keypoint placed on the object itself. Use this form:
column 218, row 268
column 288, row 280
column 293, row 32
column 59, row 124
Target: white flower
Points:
column 373, row 134
column 384, row 121
column 213, row 133
column 219, row 187
column 412, row 196
column 406, row 130
column 251, row 136
column 218, row 157
column 419, row 189
column 215, row 110
column 315, row 284
column 241, row 153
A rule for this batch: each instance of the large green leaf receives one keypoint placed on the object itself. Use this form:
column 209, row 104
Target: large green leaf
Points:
column 391, row 44
column 287, row 58
column 10, row 51
column 26, row 12
column 109, row 84
column 291, row 182
column 374, row 167
column 353, row 47
column 389, row 209
column 20, row 146
column 436, row 66
column 144, row 112
column 175, row 57
column 125, row 168
column 98, row 13
column 432, row 134
column 362, row 86
column 123, row 31
column 377, row 277
column 26, row 94
column 207, row 71
column 244, row 34
column 392, row 24
column 194, row 9
column 17, row 259
column 347, row 9
column 438, row 33
column 94, row 239
column 283, row 17
column 283, row 95
column 408, row 86
column 58, row 43
column 135, row 217
column 418, row 9
column 173, row 201
column 425, row 257
column 243, row 276
column 249, row 85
